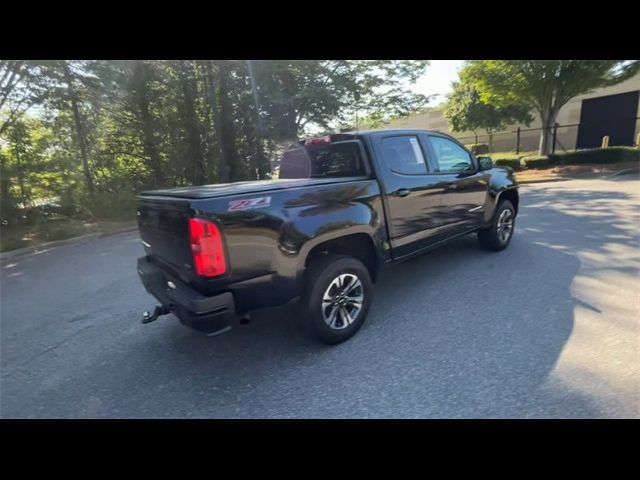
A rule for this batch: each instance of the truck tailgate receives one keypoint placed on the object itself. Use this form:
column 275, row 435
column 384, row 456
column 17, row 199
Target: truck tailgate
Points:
column 163, row 225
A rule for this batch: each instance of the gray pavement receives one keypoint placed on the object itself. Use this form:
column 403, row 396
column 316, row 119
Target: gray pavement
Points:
column 548, row 328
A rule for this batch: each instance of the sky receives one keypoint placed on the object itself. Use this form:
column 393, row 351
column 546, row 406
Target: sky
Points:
column 437, row 79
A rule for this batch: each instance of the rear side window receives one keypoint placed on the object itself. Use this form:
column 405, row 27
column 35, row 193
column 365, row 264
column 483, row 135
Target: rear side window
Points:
column 329, row 160
column 404, row 155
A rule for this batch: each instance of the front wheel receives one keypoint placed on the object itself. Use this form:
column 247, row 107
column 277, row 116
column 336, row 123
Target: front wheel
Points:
column 337, row 297
column 498, row 235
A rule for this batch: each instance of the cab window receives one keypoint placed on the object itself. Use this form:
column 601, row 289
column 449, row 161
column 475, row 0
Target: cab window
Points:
column 450, row 157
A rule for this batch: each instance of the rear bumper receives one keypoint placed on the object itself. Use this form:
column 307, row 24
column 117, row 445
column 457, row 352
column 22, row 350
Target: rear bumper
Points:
column 206, row 314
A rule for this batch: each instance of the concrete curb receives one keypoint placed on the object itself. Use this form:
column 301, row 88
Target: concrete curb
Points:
column 45, row 246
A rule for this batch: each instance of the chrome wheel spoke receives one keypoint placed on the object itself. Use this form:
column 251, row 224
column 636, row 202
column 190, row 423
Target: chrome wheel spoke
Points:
column 357, row 300
column 333, row 316
column 347, row 283
column 346, row 316
column 353, row 285
column 505, row 225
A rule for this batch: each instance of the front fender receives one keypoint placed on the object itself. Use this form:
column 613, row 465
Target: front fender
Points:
column 501, row 180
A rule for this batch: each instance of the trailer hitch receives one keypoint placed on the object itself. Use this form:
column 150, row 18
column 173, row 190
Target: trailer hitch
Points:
column 157, row 312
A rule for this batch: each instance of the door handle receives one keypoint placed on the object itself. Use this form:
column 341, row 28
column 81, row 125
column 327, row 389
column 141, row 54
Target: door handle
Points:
column 403, row 192
column 451, row 186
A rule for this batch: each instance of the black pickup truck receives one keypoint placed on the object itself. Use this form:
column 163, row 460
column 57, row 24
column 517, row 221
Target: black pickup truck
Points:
column 344, row 206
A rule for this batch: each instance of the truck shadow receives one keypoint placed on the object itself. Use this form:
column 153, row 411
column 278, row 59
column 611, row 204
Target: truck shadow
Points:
column 457, row 332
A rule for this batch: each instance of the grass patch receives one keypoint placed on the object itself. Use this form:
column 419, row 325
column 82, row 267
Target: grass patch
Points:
column 20, row 236
column 511, row 155
column 529, row 176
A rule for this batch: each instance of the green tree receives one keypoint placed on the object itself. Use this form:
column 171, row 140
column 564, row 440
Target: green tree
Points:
column 300, row 93
column 90, row 134
column 138, row 100
column 465, row 110
column 23, row 84
column 73, row 86
column 544, row 85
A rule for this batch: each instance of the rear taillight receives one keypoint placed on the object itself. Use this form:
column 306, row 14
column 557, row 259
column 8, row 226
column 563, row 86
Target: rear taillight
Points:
column 206, row 247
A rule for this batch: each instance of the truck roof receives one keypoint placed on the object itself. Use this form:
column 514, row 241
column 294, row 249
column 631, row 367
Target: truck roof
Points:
column 391, row 130
column 381, row 130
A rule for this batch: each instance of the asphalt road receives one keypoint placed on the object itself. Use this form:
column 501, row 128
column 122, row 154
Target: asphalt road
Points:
column 547, row 328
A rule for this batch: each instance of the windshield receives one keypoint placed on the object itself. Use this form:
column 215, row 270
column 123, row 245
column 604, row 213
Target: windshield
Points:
column 341, row 159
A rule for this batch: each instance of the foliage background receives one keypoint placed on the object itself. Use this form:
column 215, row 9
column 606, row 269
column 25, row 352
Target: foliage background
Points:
column 83, row 137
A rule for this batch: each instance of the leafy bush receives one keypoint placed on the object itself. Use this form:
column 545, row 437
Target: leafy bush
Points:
column 60, row 232
column 597, row 155
column 478, row 149
column 536, row 162
column 514, row 163
column 116, row 206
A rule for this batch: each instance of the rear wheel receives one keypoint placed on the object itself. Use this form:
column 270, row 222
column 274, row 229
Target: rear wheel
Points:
column 337, row 297
column 498, row 235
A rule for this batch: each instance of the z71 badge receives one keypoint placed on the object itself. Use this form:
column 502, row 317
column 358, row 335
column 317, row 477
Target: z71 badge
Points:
column 249, row 204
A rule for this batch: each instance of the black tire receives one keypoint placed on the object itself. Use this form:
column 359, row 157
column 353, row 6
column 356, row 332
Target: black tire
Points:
column 319, row 277
column 491, row 238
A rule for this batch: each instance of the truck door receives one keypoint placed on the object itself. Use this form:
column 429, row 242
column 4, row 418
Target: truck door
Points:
column 412, row 194
column 465, row 189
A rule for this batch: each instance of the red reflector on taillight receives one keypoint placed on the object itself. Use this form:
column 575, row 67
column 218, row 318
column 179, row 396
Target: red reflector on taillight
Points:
column 318, row 140
column 206, row 247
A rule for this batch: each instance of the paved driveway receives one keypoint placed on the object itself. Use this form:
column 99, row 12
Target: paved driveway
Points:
column 547, row 328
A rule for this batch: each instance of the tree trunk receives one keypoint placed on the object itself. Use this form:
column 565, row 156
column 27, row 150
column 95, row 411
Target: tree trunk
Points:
column 548, row 117
column 7, row 204
column 150, row 144
column 223, row 165
column 20, row 171
column 82, row 141
column 291, row 127
column 283, row 89
column 260, row 167
column 197, row 173
column 227, row 137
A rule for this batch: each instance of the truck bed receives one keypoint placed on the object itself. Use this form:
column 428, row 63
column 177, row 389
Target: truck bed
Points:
column 241, row 188
column 264, row 241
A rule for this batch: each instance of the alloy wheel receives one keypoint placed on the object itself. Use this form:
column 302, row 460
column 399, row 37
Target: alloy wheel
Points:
column 342, row 301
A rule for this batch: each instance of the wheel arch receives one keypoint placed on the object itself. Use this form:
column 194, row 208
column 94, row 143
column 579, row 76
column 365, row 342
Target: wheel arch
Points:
column 510, row 194
column 358, row 245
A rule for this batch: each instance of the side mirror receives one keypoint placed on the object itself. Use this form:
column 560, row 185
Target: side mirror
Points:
column 485, row 163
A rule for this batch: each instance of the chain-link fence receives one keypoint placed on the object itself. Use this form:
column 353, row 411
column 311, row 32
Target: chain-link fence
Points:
column 562, row 138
